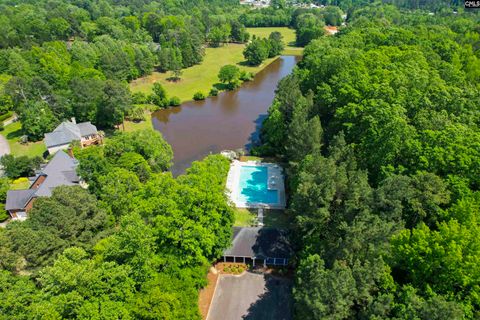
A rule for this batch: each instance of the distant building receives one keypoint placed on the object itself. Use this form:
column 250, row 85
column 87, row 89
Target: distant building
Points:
column 60, row 171
column 68, row 131
column 256, row 3
column 331, row 30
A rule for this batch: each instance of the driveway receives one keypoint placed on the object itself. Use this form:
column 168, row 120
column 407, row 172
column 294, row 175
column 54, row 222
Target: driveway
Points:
column 251, row 297
column 4, row 146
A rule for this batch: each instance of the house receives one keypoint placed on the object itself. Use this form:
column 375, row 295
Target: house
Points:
column 60, row 171
column 259, row 246
column 68, row 131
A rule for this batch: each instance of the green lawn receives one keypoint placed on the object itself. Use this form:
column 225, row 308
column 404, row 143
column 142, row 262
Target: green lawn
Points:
column 200, row 77
column 134, row 126
column 244, row 218
column 271, row 218
column 13, row 133
column 288, row 37
column 250, row 158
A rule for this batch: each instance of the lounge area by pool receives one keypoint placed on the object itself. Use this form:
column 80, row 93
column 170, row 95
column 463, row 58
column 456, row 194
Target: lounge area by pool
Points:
column 252, row 184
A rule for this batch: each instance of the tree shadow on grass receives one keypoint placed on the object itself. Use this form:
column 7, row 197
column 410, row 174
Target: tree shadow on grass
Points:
column 14, row 134
column 221, row 86
column 174, row 79
column 293, row 44
column 274, row 303
column 246, row 64
column 276, row 219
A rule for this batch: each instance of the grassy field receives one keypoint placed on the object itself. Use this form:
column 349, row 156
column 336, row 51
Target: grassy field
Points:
column 202, row 77
column 13, row 133
column 288, row 38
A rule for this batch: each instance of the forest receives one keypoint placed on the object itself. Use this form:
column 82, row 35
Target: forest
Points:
column 135, row 245
column 379, row 126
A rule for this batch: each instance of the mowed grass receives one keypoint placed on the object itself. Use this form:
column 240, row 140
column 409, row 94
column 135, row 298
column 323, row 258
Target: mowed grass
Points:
column 288, row 38
column 131, row 126
column 271, row 218
column 200, row 77
column 13, row 132
column 244, row 218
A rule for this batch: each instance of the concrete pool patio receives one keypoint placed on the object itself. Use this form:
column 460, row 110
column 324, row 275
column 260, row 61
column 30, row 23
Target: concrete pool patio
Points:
column 272, row 182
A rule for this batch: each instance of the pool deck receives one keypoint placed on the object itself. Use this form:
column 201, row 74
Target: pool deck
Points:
column 275, row 182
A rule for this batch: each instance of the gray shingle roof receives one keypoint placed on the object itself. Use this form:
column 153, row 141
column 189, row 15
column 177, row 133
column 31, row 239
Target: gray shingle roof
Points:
column 17, row 199
column 87, row 129
column 259, row 242
column 67, row 132
column 60, row 171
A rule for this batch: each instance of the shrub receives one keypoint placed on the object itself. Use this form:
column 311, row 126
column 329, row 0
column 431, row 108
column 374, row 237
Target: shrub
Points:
column 213, row 92
column 199, row 96
column 174, row 101
column 136, row 113
column 246, row 76
column 139, row 98
column 3, row 214
column 1, row 126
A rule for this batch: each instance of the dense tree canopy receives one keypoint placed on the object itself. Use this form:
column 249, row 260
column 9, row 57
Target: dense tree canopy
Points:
column 379, row 127
column 65, row 59
column 139, row 248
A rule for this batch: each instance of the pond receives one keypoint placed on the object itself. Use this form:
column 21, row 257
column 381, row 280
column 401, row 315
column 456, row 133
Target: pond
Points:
column 230, row 121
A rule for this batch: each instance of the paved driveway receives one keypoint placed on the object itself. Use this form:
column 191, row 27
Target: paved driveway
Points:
column 251, row 297
column 4, row 146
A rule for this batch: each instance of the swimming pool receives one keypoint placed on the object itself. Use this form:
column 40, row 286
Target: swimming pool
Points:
column 253, row 186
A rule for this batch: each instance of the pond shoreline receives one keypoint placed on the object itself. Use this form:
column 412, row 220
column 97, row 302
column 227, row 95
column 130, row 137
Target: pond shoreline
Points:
column 230, row 120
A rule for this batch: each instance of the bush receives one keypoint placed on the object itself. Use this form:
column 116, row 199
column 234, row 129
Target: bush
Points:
column 136, row 113
column 1, row 126
column 139, row 98
column 246, row 76
column 213, row 92
column 3, row 214
column 174, row 101
column 199, row 96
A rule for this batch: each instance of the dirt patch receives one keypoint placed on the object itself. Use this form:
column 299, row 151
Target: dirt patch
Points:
column 205, row 295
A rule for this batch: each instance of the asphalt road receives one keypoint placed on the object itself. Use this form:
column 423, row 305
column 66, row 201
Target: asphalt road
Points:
column 4, row 146
column 251, row 297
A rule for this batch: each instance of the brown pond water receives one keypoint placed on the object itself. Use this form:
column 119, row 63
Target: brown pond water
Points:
column 230, row 121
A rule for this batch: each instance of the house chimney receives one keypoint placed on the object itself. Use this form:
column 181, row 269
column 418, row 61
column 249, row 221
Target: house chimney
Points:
column 70, row 152
column 74, row 121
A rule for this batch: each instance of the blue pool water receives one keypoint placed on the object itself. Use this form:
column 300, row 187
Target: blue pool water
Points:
column 254, row 186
